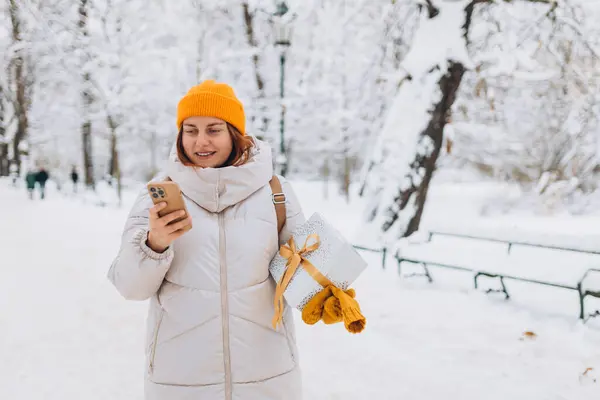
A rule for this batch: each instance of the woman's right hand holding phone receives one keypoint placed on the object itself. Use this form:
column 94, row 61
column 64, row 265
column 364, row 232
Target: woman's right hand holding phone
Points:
column 163, row 231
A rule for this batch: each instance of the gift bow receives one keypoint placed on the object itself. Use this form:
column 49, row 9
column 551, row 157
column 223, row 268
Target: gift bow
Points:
column 295, row 259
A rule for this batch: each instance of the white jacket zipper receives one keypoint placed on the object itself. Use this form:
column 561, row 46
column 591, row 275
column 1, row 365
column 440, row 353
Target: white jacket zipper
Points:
column 224, row 307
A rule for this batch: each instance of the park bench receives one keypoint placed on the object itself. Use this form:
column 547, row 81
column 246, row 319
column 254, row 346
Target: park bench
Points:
column 580, row 276
column 382, row 250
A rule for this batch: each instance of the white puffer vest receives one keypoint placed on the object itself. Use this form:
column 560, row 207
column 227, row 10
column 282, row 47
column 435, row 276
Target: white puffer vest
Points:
column 209, row 333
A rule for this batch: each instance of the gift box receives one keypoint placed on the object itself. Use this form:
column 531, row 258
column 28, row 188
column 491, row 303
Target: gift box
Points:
column 315, row 257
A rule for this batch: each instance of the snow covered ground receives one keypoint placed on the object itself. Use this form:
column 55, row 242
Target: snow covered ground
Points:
column 66, row 334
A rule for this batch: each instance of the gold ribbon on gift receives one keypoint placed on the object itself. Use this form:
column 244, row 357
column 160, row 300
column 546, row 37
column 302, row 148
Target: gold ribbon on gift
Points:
column 295, row 259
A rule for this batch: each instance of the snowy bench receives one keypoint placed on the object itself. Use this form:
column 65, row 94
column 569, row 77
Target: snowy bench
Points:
column 547, row 269
column 532, row 239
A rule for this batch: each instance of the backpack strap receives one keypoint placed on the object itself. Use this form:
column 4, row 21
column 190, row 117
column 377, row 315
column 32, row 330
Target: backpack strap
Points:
column 279, row 200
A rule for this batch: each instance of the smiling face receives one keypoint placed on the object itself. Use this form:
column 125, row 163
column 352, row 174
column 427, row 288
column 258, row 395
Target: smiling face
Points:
column 206, row 141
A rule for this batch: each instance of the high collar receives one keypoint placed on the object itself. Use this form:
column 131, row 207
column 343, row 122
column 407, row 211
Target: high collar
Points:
column 215, row 189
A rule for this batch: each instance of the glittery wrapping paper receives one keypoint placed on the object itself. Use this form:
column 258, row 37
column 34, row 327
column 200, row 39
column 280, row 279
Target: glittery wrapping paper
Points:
column 335, row 258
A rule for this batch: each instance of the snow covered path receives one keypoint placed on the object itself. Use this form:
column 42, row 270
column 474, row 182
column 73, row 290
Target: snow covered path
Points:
column 66, row 334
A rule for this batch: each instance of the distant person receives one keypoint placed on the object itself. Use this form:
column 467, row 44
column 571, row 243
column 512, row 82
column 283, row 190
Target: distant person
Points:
column 30, row 179
column 41, row 178
column 74, row 178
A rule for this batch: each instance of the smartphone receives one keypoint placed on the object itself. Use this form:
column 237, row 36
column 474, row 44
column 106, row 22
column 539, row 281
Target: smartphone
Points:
column 170, row 193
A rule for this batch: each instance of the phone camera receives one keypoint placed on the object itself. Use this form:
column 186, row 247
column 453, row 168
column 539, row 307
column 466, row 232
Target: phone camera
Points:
column 155, row 195
column 162, row 194
column 152, row 189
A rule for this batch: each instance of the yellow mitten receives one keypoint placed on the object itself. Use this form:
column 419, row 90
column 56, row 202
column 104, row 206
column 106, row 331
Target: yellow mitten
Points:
column 354, row 321
column 313, row 310
column 332, row 311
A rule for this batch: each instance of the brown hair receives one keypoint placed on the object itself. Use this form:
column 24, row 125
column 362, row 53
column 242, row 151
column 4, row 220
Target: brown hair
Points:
column 240, row 153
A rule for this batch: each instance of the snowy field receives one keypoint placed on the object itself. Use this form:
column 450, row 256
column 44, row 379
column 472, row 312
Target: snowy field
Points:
column 66, row 334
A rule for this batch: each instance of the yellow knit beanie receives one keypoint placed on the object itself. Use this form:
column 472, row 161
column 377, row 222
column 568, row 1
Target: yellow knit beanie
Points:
column 212, row 99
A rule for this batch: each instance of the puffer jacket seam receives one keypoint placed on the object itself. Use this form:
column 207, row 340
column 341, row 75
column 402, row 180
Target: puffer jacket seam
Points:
column 250, row 286
column 190, row 288
column 185, row 385
column 269, row 328
column 267, row 379
column 221, row 383
column 186, row 331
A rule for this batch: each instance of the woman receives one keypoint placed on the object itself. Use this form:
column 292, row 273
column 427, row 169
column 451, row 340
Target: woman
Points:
column 209, row 333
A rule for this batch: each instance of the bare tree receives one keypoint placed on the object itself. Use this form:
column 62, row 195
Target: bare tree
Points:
column 114, row 168
column 87, row 98
column 260, row 82
column 4, row 169
column 17, row 67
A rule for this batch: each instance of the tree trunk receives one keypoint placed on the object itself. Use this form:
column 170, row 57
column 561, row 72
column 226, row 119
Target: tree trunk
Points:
column 20, row 103
column 86, row 126
column 434, row 133
column 86, row 137
column 325, row 172
column 4, row 169
column 347, row 177
column 347, row 172
column 260, row 85
column 115, row 169
column 4, row 164
column 427, row 97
